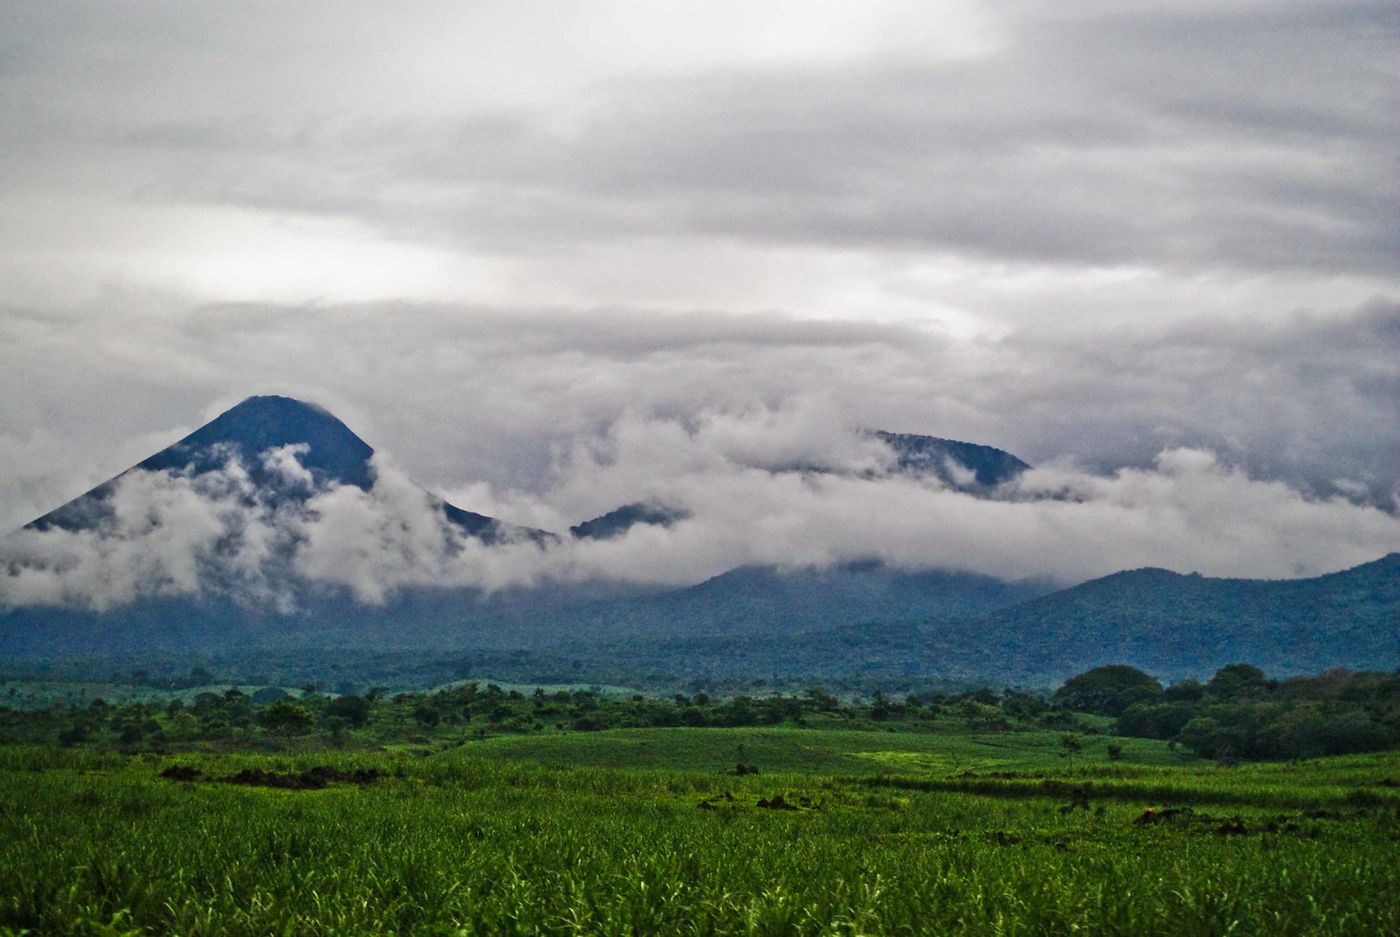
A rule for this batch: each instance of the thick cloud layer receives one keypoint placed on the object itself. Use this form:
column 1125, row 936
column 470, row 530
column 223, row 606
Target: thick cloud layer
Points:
column 1254, row 135
column 467, row 396
column 170, row 534
column 498, row 238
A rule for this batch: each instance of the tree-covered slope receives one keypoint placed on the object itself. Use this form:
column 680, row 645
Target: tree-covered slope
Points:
column 1172, row 624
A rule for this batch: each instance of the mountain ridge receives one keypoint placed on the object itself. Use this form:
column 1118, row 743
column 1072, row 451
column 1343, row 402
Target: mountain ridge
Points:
column 863, row 617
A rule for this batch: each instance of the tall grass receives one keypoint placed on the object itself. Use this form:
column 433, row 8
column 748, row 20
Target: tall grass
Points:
column 462, row 844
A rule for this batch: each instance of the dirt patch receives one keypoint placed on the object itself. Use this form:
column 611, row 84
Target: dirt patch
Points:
column 312, row 779
column 1163, row 815
column 1294, row 824
column 727, row 800
column 181, row 773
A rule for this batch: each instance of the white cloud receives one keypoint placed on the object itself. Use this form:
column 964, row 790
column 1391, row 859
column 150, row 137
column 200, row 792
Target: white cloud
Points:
column 167, row 534
column 176, row 535
column 485, row 233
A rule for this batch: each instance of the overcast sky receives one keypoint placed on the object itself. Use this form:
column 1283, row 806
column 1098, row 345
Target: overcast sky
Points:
column 490, row 235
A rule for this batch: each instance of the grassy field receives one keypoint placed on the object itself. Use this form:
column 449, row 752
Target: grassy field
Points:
column 813, row 751
column 648, row 831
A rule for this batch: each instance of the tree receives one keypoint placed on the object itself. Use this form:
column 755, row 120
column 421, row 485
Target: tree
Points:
column 184, row 725
column 287, row 717
column 1189, row 690
column 1156, row 721
column 1234, row 681
column 1070, row 745
column 1108, row 691
column 354, row 710
column 1210, row 738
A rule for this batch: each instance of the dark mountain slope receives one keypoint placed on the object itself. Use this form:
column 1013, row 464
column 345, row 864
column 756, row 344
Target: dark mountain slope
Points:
column 1170, row 624
column 257, row 424
column 618, row 521
column 930, row 455
column 781, row 603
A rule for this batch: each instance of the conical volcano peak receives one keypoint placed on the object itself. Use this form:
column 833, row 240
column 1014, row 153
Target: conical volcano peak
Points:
column 334, row 452
column 325, row 447
column 278, row 403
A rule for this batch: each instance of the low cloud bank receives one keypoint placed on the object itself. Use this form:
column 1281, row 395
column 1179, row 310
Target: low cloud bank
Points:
column 732, row 472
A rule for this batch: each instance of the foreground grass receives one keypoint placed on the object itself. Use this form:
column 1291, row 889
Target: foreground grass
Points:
column 606, row 833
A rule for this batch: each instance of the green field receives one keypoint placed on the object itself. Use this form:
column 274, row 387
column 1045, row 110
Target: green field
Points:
column 649, row 831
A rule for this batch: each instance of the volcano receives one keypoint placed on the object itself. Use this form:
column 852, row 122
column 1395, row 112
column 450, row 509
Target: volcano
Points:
column 251, row 433
column 273, row 531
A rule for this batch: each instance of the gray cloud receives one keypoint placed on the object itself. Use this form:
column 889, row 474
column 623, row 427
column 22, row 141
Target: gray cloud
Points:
column 1252, row 136
column 490, row 236
column 465, row 396
column 1260, row 136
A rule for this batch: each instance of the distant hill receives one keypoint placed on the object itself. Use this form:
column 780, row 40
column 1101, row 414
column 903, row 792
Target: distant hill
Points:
column 965, row 466
column 783, row 603
column 1168, row 624
column 1172, row 624
column 863, row 622
column 761, row 603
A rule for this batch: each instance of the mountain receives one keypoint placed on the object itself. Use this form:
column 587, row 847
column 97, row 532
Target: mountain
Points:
column 1168, row 624
column 258, row 425
column 965, row 466
column 618, row 521
column 765, row 600
column 853, row 619
column 1171, row 624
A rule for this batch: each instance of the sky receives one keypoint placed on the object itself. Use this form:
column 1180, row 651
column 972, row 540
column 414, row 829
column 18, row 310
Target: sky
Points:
column 545, row 254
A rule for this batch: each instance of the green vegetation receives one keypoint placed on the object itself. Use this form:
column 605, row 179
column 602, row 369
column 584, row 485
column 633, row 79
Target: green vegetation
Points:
column 485, row 810
column 275, row 718
column 1240, row 713
column 486, row 839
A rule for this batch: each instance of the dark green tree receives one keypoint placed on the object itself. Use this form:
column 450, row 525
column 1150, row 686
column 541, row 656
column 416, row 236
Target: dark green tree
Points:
column 1109, row 690
column 354, row 710
column 1237, row 681
column 287, row 717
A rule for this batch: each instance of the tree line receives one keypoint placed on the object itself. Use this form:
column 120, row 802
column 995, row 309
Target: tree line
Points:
column 1239, row 713
column 1242, row 713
